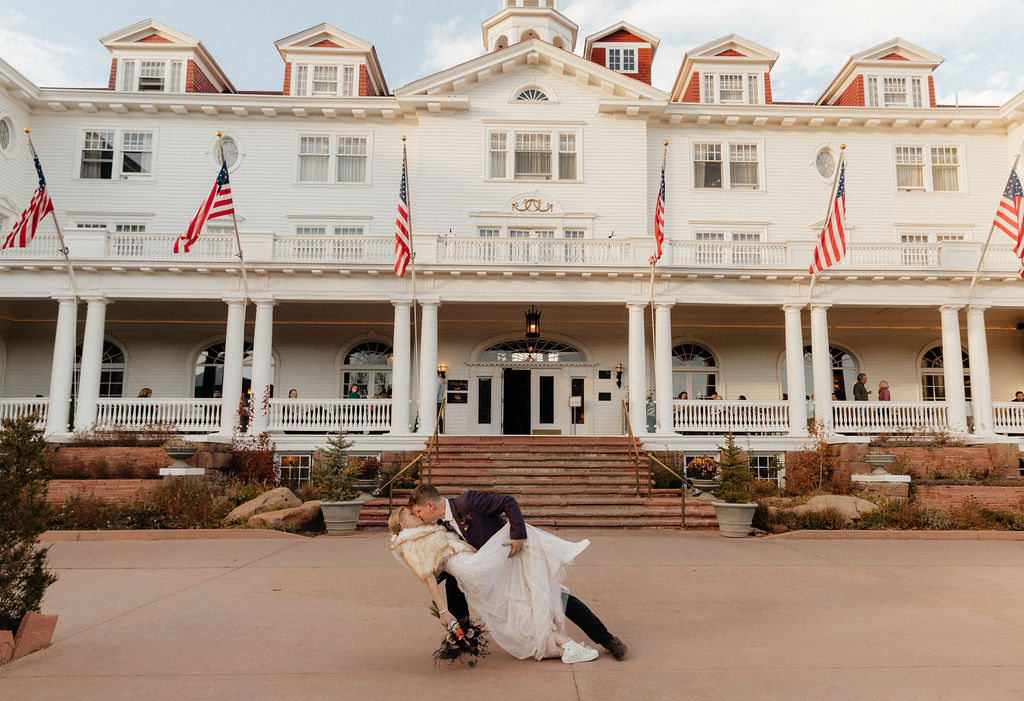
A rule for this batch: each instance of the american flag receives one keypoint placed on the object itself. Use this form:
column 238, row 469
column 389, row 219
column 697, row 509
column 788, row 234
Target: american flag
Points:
column 659, row 220
column 217, row 204
column 1010, row 215
column 832, row 243
column 403, row 243
column 39, row 206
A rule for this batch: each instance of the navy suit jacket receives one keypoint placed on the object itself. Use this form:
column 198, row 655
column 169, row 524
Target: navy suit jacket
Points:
column 479, row 515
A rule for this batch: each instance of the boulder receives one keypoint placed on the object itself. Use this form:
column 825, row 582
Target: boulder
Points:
column 35, row 632
column 282, row 497
column 307, row 517
column 850, row 507
column 6, row 646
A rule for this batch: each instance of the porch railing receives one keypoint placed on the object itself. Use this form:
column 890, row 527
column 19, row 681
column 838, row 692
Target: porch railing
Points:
column 891, row 256
column 329, row 415
column 533, row 251
column 729, row 254
column 888, row 417
column 13, row 408
column 1008, row 417
column 737, row 416
column 142, row 246
column 41, row 246
column 186, row 415
column 334, row 249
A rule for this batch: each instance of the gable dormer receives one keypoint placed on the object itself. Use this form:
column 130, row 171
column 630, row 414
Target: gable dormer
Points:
column 152, row 57
column 895, row 73
column 624, row 49
column 728, row 71
column 519, row 20
column 324, row 61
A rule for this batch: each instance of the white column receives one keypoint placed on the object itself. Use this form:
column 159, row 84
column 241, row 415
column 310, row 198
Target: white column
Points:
column 953, row 367
column 637, row 368
column 234, row 351
column 262, row 343
column 92, row 360
column 796, row 386
column 663, row 366
column 63, row 366
column 428, row 367
column 981, row 381
column 401, row 369
column 821, row 364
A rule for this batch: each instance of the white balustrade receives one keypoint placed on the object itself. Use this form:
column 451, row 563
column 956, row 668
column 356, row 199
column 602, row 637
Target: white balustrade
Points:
column 1008, row 417
column 329, row 415
column 185, row 415
column 14, row 408
column 728, row 254
column 334, row 249
column 874, row 417
column 737, row 416
column 41, row 246
column 533, row 251
column 143, row 246
column 891, row 256
column 1000, row 257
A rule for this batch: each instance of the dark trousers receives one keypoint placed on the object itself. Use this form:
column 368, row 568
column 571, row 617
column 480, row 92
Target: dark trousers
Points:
column 575, row 610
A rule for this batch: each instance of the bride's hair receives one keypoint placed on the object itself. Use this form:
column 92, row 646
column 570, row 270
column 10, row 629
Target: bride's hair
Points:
column 395, row 520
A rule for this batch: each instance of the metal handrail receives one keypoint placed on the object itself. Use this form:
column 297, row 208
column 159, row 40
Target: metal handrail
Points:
column 633, row 445
column 424, row 456
column 683, row 481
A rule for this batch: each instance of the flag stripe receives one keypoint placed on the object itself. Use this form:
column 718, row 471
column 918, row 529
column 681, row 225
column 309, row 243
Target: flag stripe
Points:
column 659, row 220
column 38, row 207
column 832, row 242
column 217, row 204
column 1009, row 217
column 403, row 241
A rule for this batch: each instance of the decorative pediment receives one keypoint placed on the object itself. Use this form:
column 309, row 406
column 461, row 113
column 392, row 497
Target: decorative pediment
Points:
column 322, row 38
column 733, row 46
column 148, row 32
column 898, row 50
column 625, row 27
column 536, row 54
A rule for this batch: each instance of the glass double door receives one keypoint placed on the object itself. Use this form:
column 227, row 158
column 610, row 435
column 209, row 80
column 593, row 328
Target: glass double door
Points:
column 540, row 401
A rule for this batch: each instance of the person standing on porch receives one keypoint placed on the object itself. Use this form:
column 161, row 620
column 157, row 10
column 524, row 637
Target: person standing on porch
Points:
column 1019, row 397
column 442, row 389
column 860, row 392
column 883, row 391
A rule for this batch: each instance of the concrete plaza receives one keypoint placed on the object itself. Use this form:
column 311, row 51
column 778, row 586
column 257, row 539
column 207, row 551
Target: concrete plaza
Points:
column 248, row 614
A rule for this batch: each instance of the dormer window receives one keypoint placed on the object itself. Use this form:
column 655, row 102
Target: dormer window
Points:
column 731, row 88
column 531, row 95
column 621, row 60
column 151, row 76
column 323, row 80
column 893, row 91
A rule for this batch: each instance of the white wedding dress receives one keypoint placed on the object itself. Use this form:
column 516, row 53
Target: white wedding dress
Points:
column 520, row 599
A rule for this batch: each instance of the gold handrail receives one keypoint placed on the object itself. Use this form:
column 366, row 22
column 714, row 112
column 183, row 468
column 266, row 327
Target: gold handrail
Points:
column 683, row 484
column 683, row 481
column 424, row 456
column 633, row 444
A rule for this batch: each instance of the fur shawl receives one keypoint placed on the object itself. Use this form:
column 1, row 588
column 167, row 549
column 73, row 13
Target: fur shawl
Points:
column 425, row 549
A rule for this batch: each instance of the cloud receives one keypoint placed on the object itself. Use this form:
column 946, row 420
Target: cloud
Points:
column 450, row 43
column 41, row 61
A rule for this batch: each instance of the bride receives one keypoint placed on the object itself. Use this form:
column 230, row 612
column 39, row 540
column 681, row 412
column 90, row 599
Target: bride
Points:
column 520, row 599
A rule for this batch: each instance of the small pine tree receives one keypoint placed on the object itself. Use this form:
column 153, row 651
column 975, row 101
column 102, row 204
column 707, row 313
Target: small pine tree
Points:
column 736, row 481
column 24, row 478
column 332, row 476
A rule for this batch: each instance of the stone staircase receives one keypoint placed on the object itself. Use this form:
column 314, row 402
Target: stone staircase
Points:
column 559, row 481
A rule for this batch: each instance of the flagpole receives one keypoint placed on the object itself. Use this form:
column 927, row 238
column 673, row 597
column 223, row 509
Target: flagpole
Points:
column 60, row 234
column 415, row 365
column 234, row 220
column 654, row 262
column 828, row 212
column 991, row 230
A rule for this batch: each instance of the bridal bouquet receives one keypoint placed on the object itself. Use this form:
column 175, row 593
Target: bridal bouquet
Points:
column 467, row 637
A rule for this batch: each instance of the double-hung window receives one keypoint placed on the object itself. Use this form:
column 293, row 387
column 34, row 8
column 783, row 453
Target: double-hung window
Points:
column 731, row 88
column 110, row 154
column 894, row 91
column 349, row 153
column 536, row 154
column 707, row 165
column 743, row 166
column 743, row 171
column 930, row 169
column 159, row 75
column 151, row 75
column 621, row 60
column 323, row 80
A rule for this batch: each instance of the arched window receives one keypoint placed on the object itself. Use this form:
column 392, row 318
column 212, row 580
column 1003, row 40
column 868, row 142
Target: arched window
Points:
column 529, row 34
column 844, row 373
column 209, row 371
column 694, row 371
column 111, row 370
column 933, row 381
column 531, row 95
column 501, row 43
column 367, row 367
column 520, row 350
column 557, row 43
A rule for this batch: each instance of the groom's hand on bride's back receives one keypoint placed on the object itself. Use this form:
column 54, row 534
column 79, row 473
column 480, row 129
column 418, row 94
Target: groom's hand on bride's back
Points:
column 514, row 546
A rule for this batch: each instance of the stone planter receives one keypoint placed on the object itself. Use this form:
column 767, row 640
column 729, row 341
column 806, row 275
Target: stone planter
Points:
column 879, row 462
column 180, row 455
column 734, row 519
column 705, row 487
column 366, row 488
column 340, row 517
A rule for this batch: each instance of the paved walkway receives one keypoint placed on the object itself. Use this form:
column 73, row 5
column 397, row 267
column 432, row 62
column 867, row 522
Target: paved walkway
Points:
column 282, row 617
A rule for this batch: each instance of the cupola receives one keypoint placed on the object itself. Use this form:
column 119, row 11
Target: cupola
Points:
column 519, row 20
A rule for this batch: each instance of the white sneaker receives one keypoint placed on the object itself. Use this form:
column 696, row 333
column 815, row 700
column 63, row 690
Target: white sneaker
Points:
column 573, row 652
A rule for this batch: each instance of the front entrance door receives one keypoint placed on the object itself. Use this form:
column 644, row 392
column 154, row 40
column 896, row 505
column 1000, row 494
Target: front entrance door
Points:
column 516, row 409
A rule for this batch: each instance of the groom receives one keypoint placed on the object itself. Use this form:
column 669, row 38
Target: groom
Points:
column 475, row 517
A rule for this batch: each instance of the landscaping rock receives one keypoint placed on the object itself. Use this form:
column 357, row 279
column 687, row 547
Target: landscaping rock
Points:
column 35, row 632
column 850, row 507
column 307, row 517
column 274, row 499
column 6, row 646
column 779, row 528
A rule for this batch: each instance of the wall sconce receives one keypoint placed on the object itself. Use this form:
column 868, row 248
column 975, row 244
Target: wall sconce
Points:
column 442, row 367
column 532, row 327
column 391, row 359
column 619, row 369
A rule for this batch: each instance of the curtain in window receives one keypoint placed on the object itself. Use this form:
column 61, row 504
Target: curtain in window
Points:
column 945, row 167
column 709, row 87
column 98, row 155
column 909, row 167
column 314, row 154
column 138, row 152
column 743, row 165
column 533, row 155
column 498, row 149
column 707, row 165
column 301, row 76
column 351, row 160
column 128, row 76
column 567, row 157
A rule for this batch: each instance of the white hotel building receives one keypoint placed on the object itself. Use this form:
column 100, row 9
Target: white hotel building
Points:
column 534, row 172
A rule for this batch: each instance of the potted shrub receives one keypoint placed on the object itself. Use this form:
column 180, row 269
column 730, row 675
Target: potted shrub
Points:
column 703, row 473
column 180, row 450
column 367, row 476
column 735, row 506
column 332, row 479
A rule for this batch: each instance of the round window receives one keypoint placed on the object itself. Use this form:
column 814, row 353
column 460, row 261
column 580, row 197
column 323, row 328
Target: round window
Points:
column 825, row 163
column 5, row 134
column 231, row 152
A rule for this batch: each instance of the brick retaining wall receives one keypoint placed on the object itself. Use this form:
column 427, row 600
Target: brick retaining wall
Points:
column 946, row 497
column 108, row 490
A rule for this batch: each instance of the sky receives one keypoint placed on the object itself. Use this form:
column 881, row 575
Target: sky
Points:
column 54, row 42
